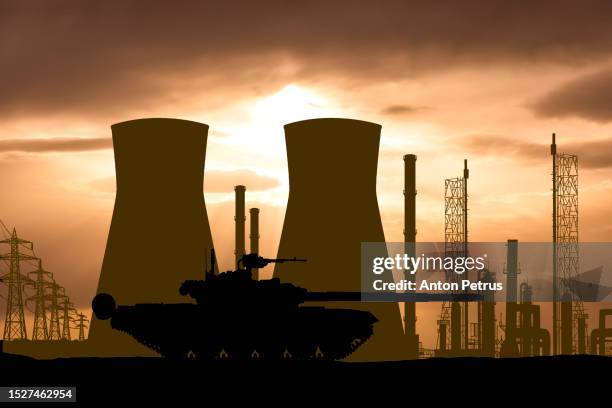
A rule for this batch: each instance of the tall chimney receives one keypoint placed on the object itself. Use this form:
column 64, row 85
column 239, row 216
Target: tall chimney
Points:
column 511, row 271
column 159, row 212
column 240, row 220
column 333, row 208
column 254, row 236
column 510, row 345
column 412, row 339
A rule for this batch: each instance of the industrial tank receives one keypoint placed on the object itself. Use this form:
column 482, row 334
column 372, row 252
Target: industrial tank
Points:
column 159, row 233
column 332, row 208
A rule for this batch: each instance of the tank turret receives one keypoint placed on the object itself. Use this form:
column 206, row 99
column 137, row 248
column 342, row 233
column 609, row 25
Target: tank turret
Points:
column 237, row 317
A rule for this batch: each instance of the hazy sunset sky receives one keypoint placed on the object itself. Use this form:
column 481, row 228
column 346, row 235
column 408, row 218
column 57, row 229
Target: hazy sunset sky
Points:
column 487, row 80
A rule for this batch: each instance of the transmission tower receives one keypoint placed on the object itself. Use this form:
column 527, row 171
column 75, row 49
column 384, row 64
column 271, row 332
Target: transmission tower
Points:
column 46, row 326
column 14, row 323
column 455, row 245
column 67, row 307
column 81, row 325
column 569, row 317
column 57, row 292
column 40, row 283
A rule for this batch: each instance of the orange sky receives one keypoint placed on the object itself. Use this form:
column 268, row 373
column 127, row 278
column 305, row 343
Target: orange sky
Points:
column 488, row 82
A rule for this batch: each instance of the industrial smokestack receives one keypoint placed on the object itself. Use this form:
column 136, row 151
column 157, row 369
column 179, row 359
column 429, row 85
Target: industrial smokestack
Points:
column 240, row 220
column 510, row 345
column 254, row 236
column 159, row 213
column 511, row 270
column 412, row 339
column 410, row 198
column 332, row 208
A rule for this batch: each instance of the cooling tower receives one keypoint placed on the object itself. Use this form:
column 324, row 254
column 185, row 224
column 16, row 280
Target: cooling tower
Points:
column 332, row 208
column 159, row 235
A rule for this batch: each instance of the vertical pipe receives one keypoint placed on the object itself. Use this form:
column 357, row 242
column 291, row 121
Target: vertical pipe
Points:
column 479, row 326
column 456, row 328
column 601, row 343
column 488, row 328
column 511, row 270
column 412, row 338
column 582, row 335
column 555, row 341
column 566, row 324
column 486, row 318
column 442, row 327
column 254, row 237
column 511, row 292
column 466, row 322
column 240, row 221
column 527, row 318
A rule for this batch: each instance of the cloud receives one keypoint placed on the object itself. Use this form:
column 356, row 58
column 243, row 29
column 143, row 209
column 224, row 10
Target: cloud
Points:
column 588, row 97
column 223, row 181
column 492, row 145
column 60, row 144
column 401, row 110
column 104, row 185
column 111, row 58
column 592, row 154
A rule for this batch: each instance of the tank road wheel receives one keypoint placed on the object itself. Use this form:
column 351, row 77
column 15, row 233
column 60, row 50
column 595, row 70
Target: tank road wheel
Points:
column 318, row 354
column 238, row 353
column 222, row 355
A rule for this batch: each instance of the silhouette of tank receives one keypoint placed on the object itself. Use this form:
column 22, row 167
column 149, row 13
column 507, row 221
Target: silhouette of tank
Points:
column 237, row 317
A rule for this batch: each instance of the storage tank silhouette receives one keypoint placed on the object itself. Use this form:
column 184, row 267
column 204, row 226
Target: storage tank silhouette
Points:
column 159, row 235
column 332, row 208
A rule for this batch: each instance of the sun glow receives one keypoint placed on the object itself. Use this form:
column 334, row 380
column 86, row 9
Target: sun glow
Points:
column 257, row 142
column 262, row 134
column 292, row 103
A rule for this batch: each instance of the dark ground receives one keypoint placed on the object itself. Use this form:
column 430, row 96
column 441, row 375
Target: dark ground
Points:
column 471, row 380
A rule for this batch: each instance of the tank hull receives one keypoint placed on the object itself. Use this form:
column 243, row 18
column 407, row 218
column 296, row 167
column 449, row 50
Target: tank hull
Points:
column 187, row 331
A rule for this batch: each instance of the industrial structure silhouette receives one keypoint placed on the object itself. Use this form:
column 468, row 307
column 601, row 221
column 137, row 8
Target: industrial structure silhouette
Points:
column 160, row 237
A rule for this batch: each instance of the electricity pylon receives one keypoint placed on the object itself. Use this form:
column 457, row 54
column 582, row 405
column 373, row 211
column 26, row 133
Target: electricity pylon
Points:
column 57, row 292
column 14, row 323
column 41, row 329
column 81, row 325
column 67, row 307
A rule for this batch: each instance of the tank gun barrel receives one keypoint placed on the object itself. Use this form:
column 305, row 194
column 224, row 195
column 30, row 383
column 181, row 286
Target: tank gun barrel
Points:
column 282, row 260
column 251, row 261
